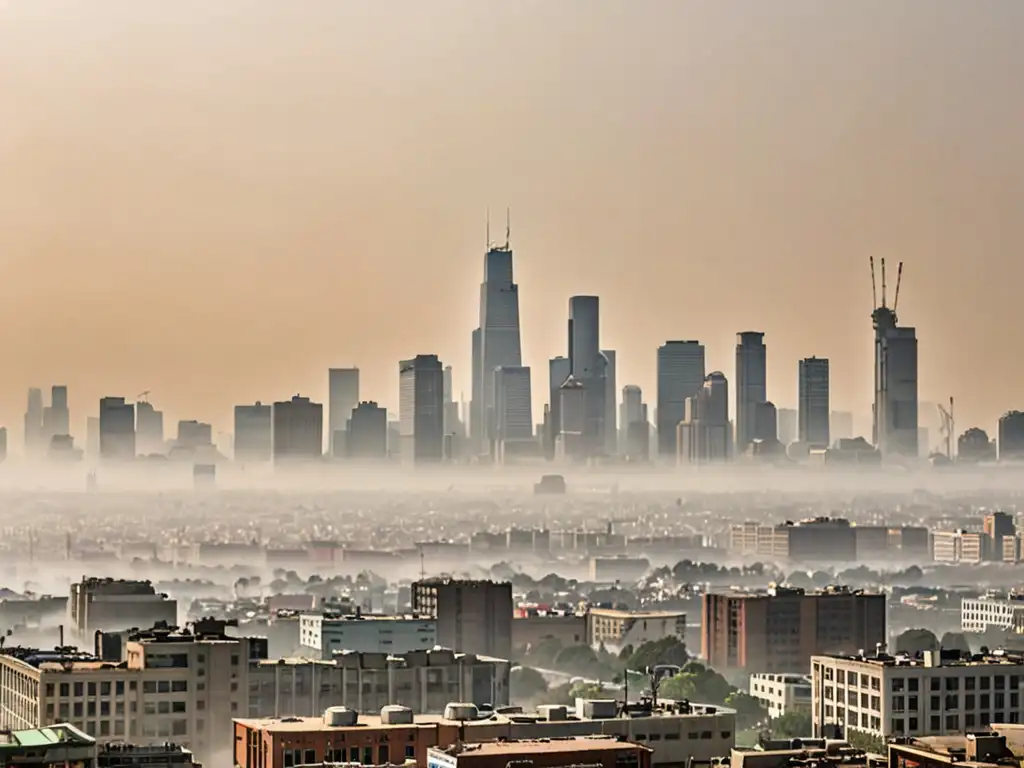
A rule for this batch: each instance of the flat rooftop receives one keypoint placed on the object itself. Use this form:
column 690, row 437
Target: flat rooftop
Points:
column 996, row 658
column 62, row 733
column 611, row 613
column 533, row 746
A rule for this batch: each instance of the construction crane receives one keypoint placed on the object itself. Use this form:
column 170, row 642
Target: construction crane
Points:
column 948, row 429
column 143, row 397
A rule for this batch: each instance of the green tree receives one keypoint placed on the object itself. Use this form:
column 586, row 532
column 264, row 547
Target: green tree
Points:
column 749, row 711
column 866, row 741
column 526, row 683
column 792, row 725
column 668, row 650
column 916, row 640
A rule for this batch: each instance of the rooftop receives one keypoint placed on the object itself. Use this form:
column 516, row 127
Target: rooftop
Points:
column 932, row 659
column 611, row 613
column 62, row 733
column 533, row 746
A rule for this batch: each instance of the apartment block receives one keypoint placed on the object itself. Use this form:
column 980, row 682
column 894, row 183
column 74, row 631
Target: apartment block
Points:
column 778, row 630
column 781, row 693
column 326, row 634
column 184, row 686
column 424, row 681
column 999, row 611
column 680, row 732
column 937, row 694
column 472, row 616
column 617, row 629
column 959, row 546
column 114, row 604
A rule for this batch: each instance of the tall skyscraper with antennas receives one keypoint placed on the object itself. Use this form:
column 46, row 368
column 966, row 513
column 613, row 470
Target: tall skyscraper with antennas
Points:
column 496, row 343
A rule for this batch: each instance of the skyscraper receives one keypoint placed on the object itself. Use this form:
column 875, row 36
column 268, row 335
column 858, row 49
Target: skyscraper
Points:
column 704, row 432
column 254, row 433
column 117, row 428
column 298, row 430
column 34, row 423
column 895, row 407
column 194, row 434
column 680, row 375
column 788, row 428
column 751, row 385
column 368, row 432
column 513, row 412
column 814, row 401
column 589, row 368
column 611, row 426
column 56, row 416
column 421, row 409
column 559, row 369
column 635, row 428
column 498, row 343
column 342, row 397
column 149, row 429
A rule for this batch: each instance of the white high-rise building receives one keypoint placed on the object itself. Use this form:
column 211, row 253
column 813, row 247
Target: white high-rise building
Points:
column 680, row 375
column 751, row 386
column 814, row 401
column 342, row 397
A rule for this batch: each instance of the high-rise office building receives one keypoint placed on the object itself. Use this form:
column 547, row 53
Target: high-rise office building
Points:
column 34, row 443
column 611, row 426
column 477, row 431
column 680, row 376
column 342, row 397
column 751, row 385
column 452, row 421
column 1010, row 436
column 254, row 433
column 766, row 422
column 298, row 430
column 421, row 408
column 56, row 416
column 788, row 425
column 814, row 401
column 572, row 416
column 368, row 432
column 589, row 368
column 636, row 432
column 194, row 434
column 149, row 429
column 895, row 408
column 559, row 369
column 703, row 435
column 499, row 343
column 513, row 412
column 117, row 428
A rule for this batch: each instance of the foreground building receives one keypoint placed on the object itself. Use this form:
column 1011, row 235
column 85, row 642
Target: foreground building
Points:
column 327, row 635
column 938, row 694
column 683, row 733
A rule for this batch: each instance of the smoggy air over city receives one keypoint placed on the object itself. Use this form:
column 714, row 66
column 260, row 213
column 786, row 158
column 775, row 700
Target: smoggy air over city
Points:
column 464, row 384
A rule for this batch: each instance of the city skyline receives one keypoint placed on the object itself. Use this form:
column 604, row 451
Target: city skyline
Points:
column 765, row 223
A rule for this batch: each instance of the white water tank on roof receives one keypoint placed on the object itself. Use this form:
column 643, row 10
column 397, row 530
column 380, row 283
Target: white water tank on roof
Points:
column 336, row 717
column 457, row 710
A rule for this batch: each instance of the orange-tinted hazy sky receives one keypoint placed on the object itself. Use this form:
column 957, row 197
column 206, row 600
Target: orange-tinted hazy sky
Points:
column 218, row 200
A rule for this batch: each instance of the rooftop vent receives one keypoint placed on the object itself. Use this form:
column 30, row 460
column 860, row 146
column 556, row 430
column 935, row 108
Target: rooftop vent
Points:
column 394, row 714
column 461, row 711
column 337, row 717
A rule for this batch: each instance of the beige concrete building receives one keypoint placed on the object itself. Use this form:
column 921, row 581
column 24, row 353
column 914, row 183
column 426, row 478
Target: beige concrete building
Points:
column 116, row 604
column 935, row 695
column 568, row 629
column 617, row 629
column 176, row 686
column 472, row 616
column 781, row 693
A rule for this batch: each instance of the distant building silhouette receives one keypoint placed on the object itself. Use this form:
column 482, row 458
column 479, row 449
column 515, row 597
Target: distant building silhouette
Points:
column 1010, row 441
column 513, row 411
column 421, row 408
column 34, row 445
column 342, row 397
column 589, row 368
column 149, row 429
column 559, row 369
column 194, row 434
column 117, row 428
column 254, row 433
column 680, row 376
column 3, row 443
column 611, row 410
column 704, row 434
column 814, row 401
column 368, row 432
column 298, row 429
column 895, row 412
column 751, row 386
column 788, row 425
column 636, row 430
column 56, row 416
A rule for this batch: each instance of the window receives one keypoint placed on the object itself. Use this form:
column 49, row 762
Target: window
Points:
column 986, row 683
column 912, row 703
column 92, row 689
column 367, row 755
column 104, row 689
column 897, row 684
column 912, row 725
column 65, row 690
column 163, row 686
column 79, row 690
column 897, row 725
column 1000, row 682
column 952, row 684
column 49, row 689
column 149, row 686
column 935, row 684
column 119, row 688
column 897, row 706
column 234, row 663
column 969, row 683
column 936, row 723
column 952, row 722
column 179, row 686
column 382, row 755
column 913, row 684
column 410, row 752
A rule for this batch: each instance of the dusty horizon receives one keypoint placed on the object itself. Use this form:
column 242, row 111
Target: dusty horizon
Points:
column 217, row 202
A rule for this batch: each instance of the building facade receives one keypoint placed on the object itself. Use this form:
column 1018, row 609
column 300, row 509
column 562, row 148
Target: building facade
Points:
column 814, row 409
column 254, row 433
column 117, row 428
column 298, row 430
column 327, row 635
column 421, row 409
column 367, row 431
column 751, row 385
column 472, row 616
column 680, row 376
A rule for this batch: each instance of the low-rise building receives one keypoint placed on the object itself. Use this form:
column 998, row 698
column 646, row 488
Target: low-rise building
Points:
column 103, row 604
column 533, row 629
column 617, row 629
column 942, row 692
column 677, row 732
column 55, row 746
column 328, row 634
column 165, row 754
column 781, row 693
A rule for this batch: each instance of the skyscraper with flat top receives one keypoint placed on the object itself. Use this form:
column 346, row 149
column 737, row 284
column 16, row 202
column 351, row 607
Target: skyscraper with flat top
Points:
column 895, row 412
column 496, row 343
column 513, row 412
column 751, row 385
column 421, row 409
column 814, row 408
column 680, row 375
column 589, row 369
column 254, row 433
column 298, row 430
column 342, row 397
column 117, row 428
column 34, row 423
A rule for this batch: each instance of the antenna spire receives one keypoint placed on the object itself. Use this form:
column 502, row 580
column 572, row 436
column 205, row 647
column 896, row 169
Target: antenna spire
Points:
column 508, row 227
column 488, row 217
column 883, row 282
